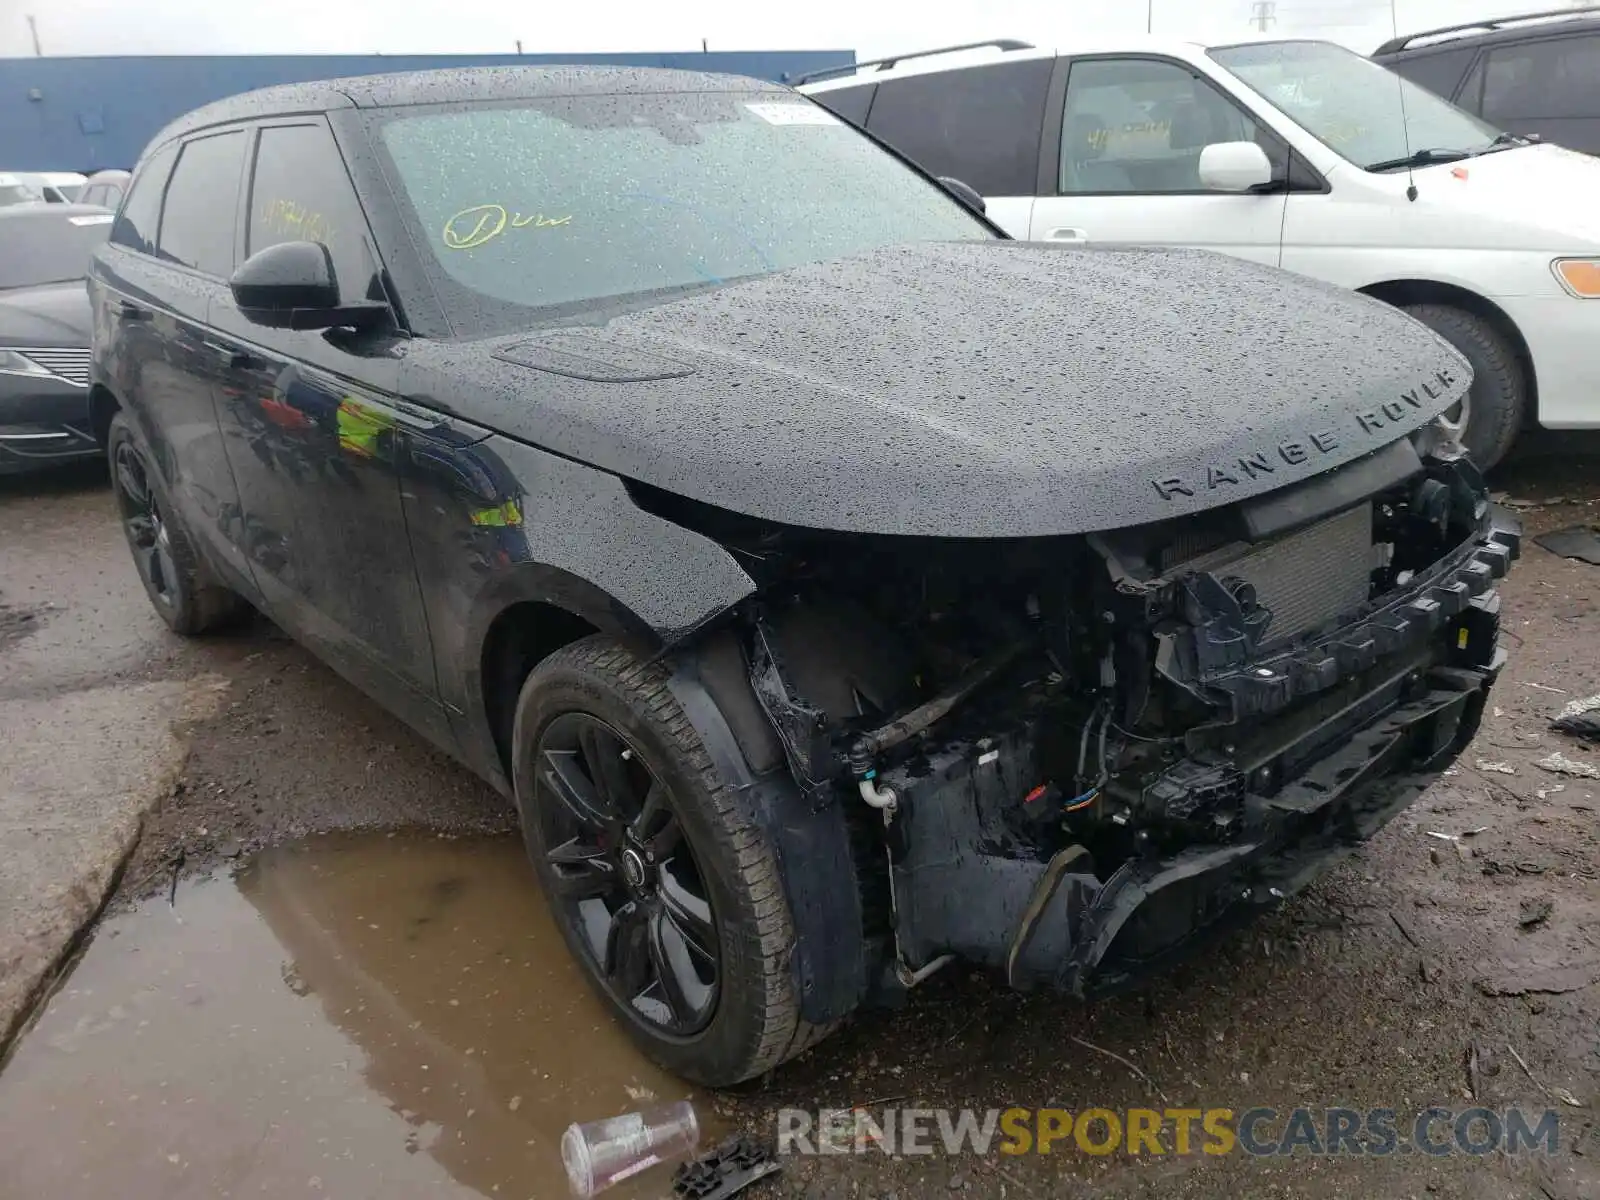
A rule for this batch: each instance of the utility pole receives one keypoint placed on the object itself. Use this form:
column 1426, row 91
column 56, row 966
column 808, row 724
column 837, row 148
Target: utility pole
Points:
column 33, row 29
column 1263, row 13
column 1149, row 16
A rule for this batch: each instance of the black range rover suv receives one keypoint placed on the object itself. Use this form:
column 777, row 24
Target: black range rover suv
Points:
column 687, row 464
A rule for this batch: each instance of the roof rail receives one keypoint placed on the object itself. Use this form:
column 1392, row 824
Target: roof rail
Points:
column 1494, row 23
column 883, row 64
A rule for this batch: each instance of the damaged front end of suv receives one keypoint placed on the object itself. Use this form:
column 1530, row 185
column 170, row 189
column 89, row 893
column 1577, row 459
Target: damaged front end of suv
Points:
column 1073, row 758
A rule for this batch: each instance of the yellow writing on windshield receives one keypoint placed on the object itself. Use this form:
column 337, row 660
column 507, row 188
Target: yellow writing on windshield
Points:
column 473, row 227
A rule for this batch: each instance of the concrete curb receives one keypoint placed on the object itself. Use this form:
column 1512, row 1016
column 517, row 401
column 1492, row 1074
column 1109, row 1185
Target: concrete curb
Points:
column 81, row 772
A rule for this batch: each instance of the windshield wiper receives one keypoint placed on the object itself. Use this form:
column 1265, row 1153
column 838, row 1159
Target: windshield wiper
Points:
column 1507, row 141
column 1420, row 158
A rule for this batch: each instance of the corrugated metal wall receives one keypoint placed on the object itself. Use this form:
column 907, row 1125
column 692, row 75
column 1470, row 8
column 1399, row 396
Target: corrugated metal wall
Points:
column 77, row 114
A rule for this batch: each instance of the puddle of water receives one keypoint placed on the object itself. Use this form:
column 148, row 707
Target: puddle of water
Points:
column 351, row 1017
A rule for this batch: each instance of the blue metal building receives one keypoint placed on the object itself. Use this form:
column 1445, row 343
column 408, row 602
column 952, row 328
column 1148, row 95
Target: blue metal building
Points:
column 80, row 114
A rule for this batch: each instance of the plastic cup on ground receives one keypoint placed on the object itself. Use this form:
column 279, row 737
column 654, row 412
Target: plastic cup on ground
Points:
column 598, row 1154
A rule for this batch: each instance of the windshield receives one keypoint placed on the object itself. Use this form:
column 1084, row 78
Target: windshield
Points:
column 1363, row 111
column 16, row 190
column 36, row 249
column 567, row 203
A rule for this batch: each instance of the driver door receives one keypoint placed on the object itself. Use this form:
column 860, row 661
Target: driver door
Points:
column 1129, row 135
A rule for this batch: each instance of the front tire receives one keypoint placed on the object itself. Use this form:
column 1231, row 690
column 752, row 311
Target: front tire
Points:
column 1493, row 411
column 175, row 579
column 661, row 882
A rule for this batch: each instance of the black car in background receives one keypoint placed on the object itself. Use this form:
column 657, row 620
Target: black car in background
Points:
column 685, row 463
column 44, row 333
column 1534, row 74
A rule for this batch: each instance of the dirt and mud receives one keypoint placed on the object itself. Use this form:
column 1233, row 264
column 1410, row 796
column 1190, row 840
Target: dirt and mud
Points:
column 355, row 991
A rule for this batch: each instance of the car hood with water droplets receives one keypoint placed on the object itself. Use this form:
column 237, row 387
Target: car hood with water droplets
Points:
column 976, row 389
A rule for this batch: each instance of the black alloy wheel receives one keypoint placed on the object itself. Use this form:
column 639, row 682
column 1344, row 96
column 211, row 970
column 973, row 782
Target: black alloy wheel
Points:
column 623, row 876
column 145, row 526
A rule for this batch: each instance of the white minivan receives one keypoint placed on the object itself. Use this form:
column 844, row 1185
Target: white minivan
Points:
column 1300, row 154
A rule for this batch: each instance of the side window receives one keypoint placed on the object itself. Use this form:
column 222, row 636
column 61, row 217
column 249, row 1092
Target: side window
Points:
column 1138, row 125
column 135, row 226
column 113, row 195
column 980, row 125
column 1440, row 72
column 849, row 103
column 1554, row 77
column 92, row 195
column 197, row 221
column 300, row 192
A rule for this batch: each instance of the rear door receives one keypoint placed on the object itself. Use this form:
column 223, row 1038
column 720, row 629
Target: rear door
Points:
column 980, row 125
column 1549, row 86
column 170, row 253
column 315, row 435
column 1128, row 134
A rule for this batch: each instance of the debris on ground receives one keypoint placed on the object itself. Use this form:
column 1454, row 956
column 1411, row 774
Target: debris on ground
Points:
column 1580, row 542
column 1560, row 764
column 1580, row 718
column 1525, row 980
column 598, row 1154
column 726, row 1171
column 1560, row 1093
column 1535, row 911
column 1499, row 768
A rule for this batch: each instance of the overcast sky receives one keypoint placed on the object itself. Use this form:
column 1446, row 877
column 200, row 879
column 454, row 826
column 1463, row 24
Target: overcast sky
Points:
column 462, row 26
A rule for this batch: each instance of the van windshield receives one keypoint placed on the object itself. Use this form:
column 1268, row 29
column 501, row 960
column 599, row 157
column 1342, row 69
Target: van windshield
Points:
column 1357, row 108
column 569, row 204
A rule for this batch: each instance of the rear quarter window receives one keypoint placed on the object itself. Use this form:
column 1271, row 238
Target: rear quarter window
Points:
column 1552, row 77
column 980, row 125
column 135, row 226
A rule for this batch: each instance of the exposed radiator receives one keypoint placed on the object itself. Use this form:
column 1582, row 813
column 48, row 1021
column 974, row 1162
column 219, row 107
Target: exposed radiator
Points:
column 1306, row 578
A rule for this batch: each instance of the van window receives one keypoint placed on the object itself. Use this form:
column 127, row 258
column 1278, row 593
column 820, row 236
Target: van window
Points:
column 1139, row 124
column 851, row 103
column 1439, row 72
column 135, row 226
column 980, row 125
column 301, row 193
column 1554, row 77
column 198, row 219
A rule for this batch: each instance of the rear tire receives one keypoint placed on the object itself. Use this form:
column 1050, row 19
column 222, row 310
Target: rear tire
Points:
column 755, row 1023
column 180, row 587
column 1496, row 405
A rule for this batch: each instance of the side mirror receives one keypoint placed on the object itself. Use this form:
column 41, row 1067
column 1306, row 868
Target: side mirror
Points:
column 964, row 194
column 293, row 286
column 1234, row 167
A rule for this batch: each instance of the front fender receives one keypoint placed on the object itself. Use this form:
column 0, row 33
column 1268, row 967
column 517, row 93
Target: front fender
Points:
column 494, row 522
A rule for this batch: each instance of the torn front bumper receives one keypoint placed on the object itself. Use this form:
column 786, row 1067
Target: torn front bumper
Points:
column 1313, row 784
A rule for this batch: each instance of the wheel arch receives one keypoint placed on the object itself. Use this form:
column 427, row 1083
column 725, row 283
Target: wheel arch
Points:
column 103, row 405
column 527, row 615
column 1401, row 292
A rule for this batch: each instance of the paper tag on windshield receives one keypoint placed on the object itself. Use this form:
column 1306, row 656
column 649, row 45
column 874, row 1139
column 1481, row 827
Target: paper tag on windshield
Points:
column 793, row 114
column 93, row 219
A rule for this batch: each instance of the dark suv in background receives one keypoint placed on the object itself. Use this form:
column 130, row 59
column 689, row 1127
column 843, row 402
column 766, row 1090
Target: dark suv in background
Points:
column 1533, row 74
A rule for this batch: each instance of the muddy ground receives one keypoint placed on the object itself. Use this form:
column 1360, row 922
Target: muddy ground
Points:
column 1391, row 983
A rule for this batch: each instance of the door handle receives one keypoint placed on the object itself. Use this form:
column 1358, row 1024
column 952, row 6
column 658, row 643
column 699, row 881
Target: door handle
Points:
column 128, row 311
column 234, row 358
column 1070, row 236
